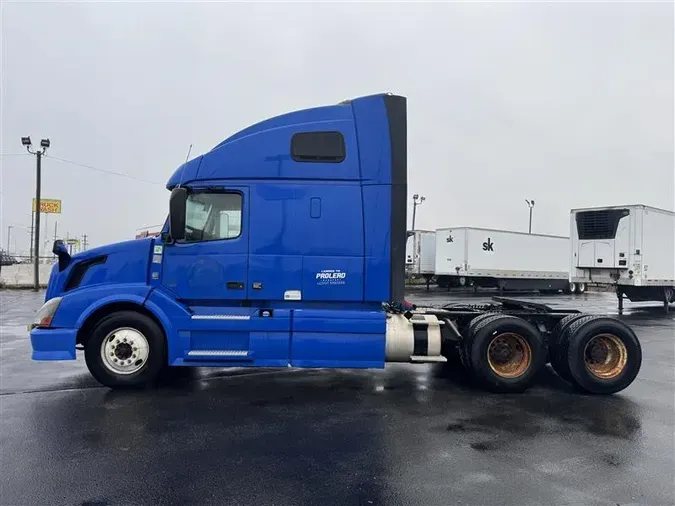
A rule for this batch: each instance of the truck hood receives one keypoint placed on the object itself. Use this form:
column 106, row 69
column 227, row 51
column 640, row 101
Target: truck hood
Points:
column 122, row 262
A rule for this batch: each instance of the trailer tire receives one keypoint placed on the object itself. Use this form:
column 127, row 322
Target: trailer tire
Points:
column 556, row 354
column 126, row 350
column 603, row 354
column 518, row 353
column 581, row 288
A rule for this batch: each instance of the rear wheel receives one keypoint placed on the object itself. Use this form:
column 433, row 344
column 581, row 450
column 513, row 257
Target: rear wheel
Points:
column 603, row 354
column 503, row 353
column 126, row 349
column 581, row 287
column 557, row 356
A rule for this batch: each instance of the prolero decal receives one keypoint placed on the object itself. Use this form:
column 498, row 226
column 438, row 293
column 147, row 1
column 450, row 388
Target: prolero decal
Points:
column 331, row 277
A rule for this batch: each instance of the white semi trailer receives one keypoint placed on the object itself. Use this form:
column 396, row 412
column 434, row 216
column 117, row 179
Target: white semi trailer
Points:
column 503, row 259
column 420, row 254
column 631, row 247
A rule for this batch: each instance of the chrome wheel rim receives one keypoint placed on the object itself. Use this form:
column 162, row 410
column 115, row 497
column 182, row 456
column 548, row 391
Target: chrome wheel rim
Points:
column 125, row 351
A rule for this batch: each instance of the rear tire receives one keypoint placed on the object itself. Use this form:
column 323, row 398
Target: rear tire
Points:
column 603, row 354
column 468, row 331
column 556, row 354
column 126, row 349
column 581, row 288
column 503, row 353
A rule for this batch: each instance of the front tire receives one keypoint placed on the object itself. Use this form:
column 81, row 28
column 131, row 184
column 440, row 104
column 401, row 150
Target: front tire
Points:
column 126, row 349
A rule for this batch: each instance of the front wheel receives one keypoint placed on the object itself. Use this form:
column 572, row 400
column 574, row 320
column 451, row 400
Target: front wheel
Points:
column 126, row 349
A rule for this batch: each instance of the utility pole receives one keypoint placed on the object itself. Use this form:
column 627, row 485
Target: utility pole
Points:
column 9, row 231
column 417, row 201
column 44, row 144
column 530, row 204
column 56, row 224
column 30, row 248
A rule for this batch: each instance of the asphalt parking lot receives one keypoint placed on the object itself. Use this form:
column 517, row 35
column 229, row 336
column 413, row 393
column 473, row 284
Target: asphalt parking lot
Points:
column 407, row 435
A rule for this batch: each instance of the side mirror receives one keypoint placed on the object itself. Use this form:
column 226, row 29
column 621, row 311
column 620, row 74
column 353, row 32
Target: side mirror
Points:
column 177, row 213
column 61, row 252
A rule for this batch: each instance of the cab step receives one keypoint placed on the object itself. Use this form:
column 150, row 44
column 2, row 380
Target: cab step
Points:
column 424, row 358
column 225, row 355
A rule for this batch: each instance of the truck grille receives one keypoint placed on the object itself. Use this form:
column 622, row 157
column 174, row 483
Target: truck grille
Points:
column 600, row 224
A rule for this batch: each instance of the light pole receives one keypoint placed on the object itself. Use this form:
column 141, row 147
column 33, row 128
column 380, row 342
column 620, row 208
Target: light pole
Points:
column 530, row 204
column 417, row 201
column 44, row 144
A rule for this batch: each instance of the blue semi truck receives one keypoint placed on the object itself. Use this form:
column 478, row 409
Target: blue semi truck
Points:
column 284, row 246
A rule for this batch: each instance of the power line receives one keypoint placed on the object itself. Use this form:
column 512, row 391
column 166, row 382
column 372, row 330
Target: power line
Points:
column 106, row 171
column 84, row 165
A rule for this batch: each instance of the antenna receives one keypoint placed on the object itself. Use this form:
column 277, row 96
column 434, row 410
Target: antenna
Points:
column 183, row 171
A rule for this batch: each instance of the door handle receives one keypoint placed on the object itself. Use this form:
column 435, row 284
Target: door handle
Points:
column 235, row 285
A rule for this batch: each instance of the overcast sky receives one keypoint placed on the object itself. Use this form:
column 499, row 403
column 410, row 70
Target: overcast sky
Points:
column 570, row 104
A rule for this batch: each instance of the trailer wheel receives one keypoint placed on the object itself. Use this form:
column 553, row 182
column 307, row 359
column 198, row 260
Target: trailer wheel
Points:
column 556, row 353
column 571, row 288
column 503, row 353
column 126, row 349
column 581, row 287
column 603, row 354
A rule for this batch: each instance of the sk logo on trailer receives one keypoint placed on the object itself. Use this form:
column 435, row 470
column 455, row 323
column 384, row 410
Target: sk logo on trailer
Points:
column 488, row 245
column 449, row 239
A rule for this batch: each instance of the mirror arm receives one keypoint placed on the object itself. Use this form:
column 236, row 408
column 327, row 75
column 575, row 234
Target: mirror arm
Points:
column 167, row 240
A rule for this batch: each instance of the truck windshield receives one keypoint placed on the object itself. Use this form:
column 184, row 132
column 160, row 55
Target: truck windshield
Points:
column 213, row 216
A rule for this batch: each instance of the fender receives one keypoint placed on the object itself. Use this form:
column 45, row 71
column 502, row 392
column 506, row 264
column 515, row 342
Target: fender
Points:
column 78, row 305
column 173, row 316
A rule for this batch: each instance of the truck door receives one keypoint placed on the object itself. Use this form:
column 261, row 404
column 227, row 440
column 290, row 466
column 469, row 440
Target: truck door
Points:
column 211, row 263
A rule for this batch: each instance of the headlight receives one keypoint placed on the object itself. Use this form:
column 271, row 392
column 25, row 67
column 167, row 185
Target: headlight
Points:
column 44, row 316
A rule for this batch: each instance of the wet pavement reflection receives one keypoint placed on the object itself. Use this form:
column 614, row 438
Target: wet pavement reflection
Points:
column 409, row 434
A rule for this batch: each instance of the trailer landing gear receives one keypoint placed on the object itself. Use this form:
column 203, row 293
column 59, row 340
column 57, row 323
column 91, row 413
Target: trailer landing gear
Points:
column 668, row 297
column 427, row 278
column 619, row 294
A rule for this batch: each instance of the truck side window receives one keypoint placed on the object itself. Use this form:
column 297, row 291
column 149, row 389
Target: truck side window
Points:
column 327, row 147
column 213, row 216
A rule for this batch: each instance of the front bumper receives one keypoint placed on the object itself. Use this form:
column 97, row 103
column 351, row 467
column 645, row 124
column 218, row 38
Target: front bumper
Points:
column 53, row 344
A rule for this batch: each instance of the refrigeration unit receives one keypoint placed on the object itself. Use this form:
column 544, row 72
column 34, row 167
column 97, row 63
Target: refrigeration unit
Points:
column 631, row 247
